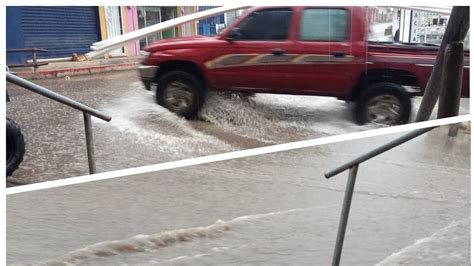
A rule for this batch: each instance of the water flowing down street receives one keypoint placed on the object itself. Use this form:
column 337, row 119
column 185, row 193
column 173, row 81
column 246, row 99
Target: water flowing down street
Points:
column 143, row 133
column 411, row 206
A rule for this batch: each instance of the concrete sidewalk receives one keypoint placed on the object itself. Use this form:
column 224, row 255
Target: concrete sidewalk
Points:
column 70, row 68
column 412, row 202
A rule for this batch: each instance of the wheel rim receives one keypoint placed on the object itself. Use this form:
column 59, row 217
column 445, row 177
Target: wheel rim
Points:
column 178, row 97
column 384, row 109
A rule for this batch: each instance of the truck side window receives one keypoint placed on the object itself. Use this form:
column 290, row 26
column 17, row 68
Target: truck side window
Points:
column 266, row 25
column 319, row 24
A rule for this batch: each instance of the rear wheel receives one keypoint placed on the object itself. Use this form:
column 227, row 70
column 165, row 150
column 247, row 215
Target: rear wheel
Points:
column 181, row 93
column 385, row 103
column 15, row 146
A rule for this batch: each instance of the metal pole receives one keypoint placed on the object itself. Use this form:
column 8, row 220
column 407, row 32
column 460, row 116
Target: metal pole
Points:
column 34, row 59
column 89, row 143
column 450, row 95
column 346, row 207
column 453, row 130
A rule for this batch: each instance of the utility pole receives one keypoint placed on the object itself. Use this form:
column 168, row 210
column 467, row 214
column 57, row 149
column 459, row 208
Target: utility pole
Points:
column 456, row 31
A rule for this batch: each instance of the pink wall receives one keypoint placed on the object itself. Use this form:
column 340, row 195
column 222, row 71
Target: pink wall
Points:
column 131, row 19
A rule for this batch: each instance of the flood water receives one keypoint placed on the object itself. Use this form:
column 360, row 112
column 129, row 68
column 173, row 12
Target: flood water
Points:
column 411, row 206
column 143, row 133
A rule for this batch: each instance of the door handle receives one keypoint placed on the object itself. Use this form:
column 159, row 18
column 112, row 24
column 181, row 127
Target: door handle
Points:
column 278, row 51
column 338, row 54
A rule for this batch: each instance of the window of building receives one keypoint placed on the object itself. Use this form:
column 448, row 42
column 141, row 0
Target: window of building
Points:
column 147, row 16
column 151, row 15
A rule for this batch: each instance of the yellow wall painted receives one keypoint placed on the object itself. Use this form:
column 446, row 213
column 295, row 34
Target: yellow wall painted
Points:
column 194, row 10
column 178, row 14
column 124, row 27
column 103, row 25
column 181, row 28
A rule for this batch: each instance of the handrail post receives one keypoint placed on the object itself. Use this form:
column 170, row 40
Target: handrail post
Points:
column 86, row 111
column 89, row 143
column 34, row 58
column 346, row 207
column 453, row 130
column 353, row 167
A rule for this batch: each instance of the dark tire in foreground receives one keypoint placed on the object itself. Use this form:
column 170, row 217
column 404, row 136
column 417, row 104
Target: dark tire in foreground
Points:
column 15, row 146
column 385, row 103
column 181, row 93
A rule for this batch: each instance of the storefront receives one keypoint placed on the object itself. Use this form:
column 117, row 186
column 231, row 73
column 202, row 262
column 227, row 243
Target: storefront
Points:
column 187, row 29
column 151, row 15
column 113, row 17
column 62, row 30
column 73, row 29
column 208, row 27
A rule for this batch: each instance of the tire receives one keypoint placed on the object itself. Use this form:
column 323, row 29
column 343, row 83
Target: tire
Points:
column 181, row 93
column 15, row 146
column 384, row 102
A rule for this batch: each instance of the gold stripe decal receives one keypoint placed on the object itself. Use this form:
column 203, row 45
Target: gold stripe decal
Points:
column 238, row 60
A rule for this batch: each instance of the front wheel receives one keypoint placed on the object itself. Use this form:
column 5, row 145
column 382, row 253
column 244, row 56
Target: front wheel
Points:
column 181, row 93
column 15, row 146
column 385, row 103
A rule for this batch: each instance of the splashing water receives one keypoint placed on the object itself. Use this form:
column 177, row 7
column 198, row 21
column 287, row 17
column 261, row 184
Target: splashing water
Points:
column 279, row 118
column 142, row 243
column 447, row 246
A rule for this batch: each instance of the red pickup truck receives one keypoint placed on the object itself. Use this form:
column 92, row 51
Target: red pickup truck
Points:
column 320, row 51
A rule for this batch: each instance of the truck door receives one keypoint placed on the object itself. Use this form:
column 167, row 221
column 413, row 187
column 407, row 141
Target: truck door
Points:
column 255, row 52
column 331, row 50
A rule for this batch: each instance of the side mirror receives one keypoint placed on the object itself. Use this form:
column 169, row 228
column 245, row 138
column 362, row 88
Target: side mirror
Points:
column 233, row 34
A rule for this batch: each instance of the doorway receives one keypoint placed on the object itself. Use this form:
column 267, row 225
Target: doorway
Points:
column 114, row 26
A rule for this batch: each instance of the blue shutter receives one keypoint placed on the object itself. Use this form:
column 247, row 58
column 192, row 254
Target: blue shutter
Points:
column 14, row 35
column 60, row 30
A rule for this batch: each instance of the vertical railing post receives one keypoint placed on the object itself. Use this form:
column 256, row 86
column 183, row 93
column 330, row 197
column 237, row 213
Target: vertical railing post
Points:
column 35, row 59
column 89, row 143
column 453, row 130
column 346, row 207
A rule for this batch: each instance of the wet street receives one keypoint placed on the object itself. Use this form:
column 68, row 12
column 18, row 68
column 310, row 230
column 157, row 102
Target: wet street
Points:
column 143, row 133
column 411, row 206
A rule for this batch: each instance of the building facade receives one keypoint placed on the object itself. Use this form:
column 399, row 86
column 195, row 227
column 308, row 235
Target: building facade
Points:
column 63, row 30
column 208, row 26
column 60, row 30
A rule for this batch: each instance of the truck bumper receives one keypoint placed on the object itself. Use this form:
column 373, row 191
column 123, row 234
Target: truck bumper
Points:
column 147, row 74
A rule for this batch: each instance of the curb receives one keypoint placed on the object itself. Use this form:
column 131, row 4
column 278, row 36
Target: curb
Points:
column 65, row 72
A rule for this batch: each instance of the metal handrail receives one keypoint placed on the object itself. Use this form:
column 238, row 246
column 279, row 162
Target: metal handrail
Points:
column 34, row 56
column 364, row 157
column 86, row 110
column 56, row 96
column 353, row 166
